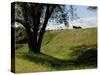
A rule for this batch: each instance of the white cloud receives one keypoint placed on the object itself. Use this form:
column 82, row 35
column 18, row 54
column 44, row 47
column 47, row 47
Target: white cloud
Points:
column 85, row 22
column 52, row 26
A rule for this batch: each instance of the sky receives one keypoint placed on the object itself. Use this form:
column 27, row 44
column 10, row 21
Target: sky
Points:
column 82, row 11
column 85, row 18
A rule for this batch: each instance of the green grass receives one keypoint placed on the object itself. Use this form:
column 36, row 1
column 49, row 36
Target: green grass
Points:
column 61, row 50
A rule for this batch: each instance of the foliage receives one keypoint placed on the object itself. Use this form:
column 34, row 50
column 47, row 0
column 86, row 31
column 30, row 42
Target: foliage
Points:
column 34, row 17
column 59, row 13
column 20, row 35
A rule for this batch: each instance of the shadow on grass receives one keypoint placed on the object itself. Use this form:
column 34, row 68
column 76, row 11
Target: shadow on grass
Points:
column 86, row 54
column 50, row 61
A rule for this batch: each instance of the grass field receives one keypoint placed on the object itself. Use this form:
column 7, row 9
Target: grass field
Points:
column 61, row 50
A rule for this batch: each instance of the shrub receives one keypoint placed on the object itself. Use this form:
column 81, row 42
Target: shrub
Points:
column 20, row 35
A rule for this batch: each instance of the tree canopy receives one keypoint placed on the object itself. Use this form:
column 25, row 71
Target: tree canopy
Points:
column 34, row 17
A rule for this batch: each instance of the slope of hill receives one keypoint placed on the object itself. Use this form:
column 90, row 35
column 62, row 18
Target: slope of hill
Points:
column 59, row 43
column 61, row 50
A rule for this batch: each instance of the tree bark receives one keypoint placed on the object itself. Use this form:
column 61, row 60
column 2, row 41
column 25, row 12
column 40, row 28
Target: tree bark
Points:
column 36, row 23
column 42, row 31
column 28, row 29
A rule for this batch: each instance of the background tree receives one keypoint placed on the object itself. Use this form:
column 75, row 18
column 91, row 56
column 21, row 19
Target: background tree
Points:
column 72, row 12
column 34, row 18
column 92, row 8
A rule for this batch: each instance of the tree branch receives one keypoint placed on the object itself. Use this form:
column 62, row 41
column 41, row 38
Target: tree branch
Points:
column 19, row 21
column 47, row 16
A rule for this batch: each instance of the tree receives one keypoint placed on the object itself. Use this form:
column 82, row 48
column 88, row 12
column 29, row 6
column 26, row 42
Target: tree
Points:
column 92, row 8
column 34, row 18
column 72, row 12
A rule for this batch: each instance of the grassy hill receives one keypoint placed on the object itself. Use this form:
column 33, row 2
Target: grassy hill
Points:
column 61, row 50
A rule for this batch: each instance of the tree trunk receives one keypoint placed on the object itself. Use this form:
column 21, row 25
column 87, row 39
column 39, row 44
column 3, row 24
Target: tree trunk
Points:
column 30, row 36
column 42, row 31
column 29, row 39
column 41, row 35
column 32, row 42
column 36, row 23
column 35, row 38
